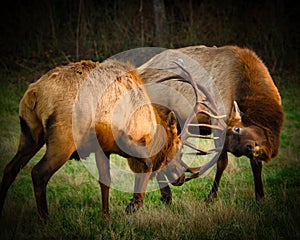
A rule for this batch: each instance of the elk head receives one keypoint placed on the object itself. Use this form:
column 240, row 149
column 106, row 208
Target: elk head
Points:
column 170, row 163
column 159, row 151
column 241, row 139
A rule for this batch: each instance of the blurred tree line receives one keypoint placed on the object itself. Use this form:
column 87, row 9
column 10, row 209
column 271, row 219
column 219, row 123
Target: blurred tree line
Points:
column 39, row 34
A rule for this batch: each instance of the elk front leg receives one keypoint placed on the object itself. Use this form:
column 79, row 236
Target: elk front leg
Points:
column 165, row 190
column 221, row 166
column 256, row 166
column 103, row 166
column 140, row 185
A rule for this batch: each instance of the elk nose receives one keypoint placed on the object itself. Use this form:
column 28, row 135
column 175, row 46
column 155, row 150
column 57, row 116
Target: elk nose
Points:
column 249, row 151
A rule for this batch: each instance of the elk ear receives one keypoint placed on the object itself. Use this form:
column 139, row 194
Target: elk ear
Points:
column 172, row 120
column 236, row 113
column 30, row 99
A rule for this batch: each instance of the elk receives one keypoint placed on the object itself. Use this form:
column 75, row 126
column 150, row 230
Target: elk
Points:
column 71, row 106
column 243, row 91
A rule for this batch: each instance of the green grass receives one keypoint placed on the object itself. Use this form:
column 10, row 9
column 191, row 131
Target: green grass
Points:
column 75, row 205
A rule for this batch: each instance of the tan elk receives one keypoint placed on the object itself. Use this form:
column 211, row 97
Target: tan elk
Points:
column 243, row 90
column 72, row 105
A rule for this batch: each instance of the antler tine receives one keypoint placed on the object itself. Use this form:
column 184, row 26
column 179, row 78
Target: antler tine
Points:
column 201, row 136
column 205, row 125
column 201, row 152
column 214, row 114
column 203, row 168
column 173, row 77
column 194, row 153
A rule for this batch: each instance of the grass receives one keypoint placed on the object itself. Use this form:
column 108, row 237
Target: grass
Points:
column 75, row 201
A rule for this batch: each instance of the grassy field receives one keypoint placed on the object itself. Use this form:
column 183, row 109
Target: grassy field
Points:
column 75, row 206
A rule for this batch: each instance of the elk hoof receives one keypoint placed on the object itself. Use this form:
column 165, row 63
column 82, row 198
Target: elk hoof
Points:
column 43, row 221
column 210, row 198
column 259, row 198
column 166, row 199
column 131, row 208
column 105, row 217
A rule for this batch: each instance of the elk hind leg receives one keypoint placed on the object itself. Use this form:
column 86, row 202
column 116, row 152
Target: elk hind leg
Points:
column 54, row 158
column 28, row 147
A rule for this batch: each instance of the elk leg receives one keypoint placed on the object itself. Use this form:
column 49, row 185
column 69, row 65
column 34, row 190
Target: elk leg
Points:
column 165, row 190
column 256, row 166
column 221, row 166
column 103, row 166
column 140, row 185
column 26, row 150
column 42, row 172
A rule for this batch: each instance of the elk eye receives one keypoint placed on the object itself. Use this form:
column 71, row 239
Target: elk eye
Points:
column 236, row 130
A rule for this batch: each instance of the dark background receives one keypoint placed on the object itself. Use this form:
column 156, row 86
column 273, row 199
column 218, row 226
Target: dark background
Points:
column 37, row 35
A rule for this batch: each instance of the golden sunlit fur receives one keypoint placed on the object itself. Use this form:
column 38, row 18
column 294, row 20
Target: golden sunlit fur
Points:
column 70, row 105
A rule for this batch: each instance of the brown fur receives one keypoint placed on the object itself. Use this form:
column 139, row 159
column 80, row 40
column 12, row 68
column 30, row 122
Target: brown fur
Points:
column 51, row 112
column 237, row 75
column 258, row 99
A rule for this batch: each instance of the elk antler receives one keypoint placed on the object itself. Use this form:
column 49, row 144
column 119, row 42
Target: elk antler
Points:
column 212, row 112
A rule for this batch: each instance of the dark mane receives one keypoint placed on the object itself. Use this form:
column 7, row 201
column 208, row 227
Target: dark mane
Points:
column 259, row 100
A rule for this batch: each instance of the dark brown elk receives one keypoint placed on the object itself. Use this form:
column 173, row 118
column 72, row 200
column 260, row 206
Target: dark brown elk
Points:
column 243, row 90
column 70, row 105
